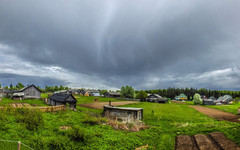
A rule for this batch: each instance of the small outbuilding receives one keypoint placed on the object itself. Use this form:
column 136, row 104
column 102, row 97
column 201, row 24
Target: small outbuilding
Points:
column 208, row 102
column 156, row 99
column 112, row 94
column 123, row 114
column 225, row 99
column 62, row 99
column 212, row 98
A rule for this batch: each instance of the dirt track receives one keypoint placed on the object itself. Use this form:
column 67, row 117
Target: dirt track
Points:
column 217, row 114
column 99, row 105
column 213, row 141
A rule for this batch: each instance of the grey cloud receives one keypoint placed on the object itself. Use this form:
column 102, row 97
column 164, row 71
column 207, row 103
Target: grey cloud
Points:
column 125, row 42
column 6, row 79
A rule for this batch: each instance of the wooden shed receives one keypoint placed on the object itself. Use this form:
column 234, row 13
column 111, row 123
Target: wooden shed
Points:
column 62, row 99
column 29, row 92
column 112, row 94
column 208, row 102
column 123, row 114
column 156, row 98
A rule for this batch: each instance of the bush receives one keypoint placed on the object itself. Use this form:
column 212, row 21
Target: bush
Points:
column 78, row 134
column 31, row 117
column 197, row 99
column 142, row 95
column 236, row 100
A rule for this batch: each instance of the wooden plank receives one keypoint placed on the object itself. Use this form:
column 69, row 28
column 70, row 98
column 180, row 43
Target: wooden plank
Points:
column 223, row 141
column 185, row 142
column 204, row 143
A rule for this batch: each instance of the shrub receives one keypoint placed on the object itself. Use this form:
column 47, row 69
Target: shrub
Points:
column 31, row 117
column 77, row 133
column 197, row 99
column 142, row 95
column 236, row 100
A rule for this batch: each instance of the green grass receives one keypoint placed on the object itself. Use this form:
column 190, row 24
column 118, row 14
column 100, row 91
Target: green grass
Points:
column 37, row 102
column 231, row 108
column 165, row 122
column 90, row 99
column 45, row 95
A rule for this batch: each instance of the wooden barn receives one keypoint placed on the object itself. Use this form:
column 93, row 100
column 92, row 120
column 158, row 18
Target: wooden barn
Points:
column 29, row 92
column 156, row 98
column 62, row 99
column 112, row 94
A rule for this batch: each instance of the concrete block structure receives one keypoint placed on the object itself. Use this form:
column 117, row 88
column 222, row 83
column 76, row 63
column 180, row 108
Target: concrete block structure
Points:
column 123, row 114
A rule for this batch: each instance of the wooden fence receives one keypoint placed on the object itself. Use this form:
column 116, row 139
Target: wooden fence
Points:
column 44, row 109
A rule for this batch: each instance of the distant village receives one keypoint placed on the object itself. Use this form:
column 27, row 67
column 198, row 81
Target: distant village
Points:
column 66, row 95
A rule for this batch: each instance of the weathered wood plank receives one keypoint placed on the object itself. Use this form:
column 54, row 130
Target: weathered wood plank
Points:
column 185, row 142
column 204, row 143
column 223, row 141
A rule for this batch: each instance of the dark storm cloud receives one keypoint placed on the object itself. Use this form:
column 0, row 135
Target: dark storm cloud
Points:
column 6, row 79
column 126, row 42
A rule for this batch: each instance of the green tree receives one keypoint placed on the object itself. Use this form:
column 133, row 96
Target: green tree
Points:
column 127, row 92
column 197, row 99
column 19, row 86
column 142, row 95
column 102, row 92
column 61, row 88
column 11, row 86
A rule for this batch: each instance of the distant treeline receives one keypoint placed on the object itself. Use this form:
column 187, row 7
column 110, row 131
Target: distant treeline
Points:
column 19, row 86
column 189, row 92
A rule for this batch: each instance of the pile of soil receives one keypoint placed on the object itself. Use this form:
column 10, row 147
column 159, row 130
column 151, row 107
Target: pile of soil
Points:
column 15, row 105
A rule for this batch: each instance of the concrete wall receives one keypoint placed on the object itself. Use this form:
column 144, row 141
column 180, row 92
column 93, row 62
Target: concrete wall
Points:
column 123, row 115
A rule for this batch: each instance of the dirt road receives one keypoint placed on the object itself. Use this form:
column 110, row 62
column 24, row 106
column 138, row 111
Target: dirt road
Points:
column 217, row 114
column 99, row 105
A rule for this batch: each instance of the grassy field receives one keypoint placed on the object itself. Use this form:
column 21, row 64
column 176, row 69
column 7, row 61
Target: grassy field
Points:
column 90, row 99
column 88, row 129
column 232, row 108
column 35, row 102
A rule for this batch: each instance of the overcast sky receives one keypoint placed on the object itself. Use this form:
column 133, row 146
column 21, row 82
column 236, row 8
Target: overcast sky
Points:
column 148, row 44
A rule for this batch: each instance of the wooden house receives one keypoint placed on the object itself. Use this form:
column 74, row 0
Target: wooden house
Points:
column 156, row 98
column 90, row 92
column 181, row 97
column 29, row 92
column 112, row 94
column 62, row 99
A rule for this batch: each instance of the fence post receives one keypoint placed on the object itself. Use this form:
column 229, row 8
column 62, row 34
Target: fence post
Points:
column 19, row 145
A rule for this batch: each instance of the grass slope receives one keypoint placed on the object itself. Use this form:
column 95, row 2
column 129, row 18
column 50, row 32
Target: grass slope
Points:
column 88, row 131
column 231, row 108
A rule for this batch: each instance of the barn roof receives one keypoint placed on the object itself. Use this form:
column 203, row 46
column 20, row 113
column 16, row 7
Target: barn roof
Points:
column 62, row 97
column 29, row 87
column 114, row 93
column 156, row 95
